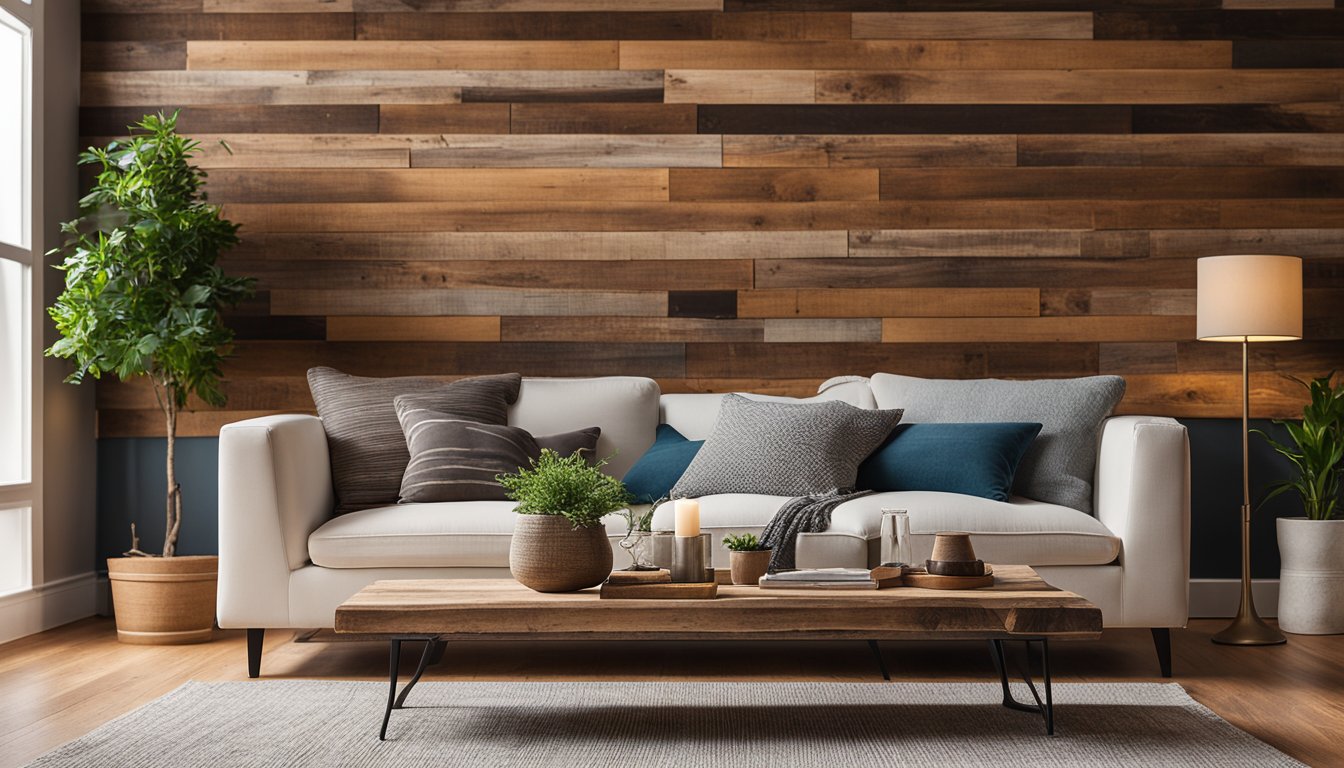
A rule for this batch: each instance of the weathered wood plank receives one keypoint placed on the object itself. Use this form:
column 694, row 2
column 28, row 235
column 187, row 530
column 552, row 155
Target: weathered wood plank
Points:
column 373, row 328
column 1117, row 301
column 402, row 54
column 141, row 6
column 923, row 54
column 146, row 27
column 1210, row 395
column 792, row 359
column 1175, row 150
column 935, row 6
column 237, row 118
column 1291, row 357
column 1280, row 213
column 1010, row 243
column 471, row 119
column 811, row 274
column 776, row 119
column 870, row 151
column 889, row 302
column 602, row 118
column 1124, row 358
column 1219, row 25
column 1287, row 54
column 1109, row 183
column 535, row 25
column 344, row 151
column 772, row 185
column 1088, row 328
column 1094, row 86
column 573, row 151
column 822, row 330
column 651, row 329
column 277, row 6
column 544, row 246
column 252, row 185
column 1184, row 244
column 1279, row 4
column 1048, row 25
column 704, row 304
column 530, row 6
column 123, row 56
column 467, row 301
column 739, row 86
column 779, row 26
column 1235, row 118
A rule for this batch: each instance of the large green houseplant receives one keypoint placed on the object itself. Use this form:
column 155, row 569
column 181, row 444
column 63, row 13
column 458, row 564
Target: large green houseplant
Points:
column 1311, row 583
column 142, row 297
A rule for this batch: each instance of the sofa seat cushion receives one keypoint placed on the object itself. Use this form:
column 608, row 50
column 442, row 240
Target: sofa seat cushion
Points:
column 724, row 513
column 453, row 534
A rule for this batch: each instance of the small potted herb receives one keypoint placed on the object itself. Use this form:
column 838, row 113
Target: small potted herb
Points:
column 559, row 541
column 747, row 561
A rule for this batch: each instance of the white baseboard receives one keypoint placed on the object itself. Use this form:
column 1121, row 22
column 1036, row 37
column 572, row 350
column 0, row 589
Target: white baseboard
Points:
column 47, row 605
column 1219, row 598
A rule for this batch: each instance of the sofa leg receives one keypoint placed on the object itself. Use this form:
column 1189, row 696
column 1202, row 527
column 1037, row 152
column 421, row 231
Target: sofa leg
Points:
column 254, row 638
column 1162, row 641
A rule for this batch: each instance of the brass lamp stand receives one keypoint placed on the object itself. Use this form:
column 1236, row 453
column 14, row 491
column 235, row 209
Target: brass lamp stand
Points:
column 1248, row 299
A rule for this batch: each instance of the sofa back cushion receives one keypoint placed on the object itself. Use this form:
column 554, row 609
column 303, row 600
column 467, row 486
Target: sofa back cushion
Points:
column 624, row 407
column 1060, row 465
column 694, row 415
column 970, row 459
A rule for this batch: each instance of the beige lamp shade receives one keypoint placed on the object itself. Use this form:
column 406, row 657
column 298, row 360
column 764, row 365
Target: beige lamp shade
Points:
column 1251, row 298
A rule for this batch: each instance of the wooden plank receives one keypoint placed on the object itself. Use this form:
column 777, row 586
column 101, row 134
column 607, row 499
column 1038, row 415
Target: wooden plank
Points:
column 1280, row 213
column 836, row 119
column 1209, row 395
column 1315, row 358
column 344, row 151
column 1124, row 358
column 399, row 54
column 129, row 55
column 1218, row 25
column 779, row 26
column 252, row 393
column 141, row 6
column 1088, row 328
column 960, row 5
column 1010, row 243
column 237, row 118
column 704, row 304
column 1095, row 86
column 252, row 185
column 1234, row 118
column 1109, row 183
column 535, row 25
column 1289, row 54
column 1117, row 301
column 647, row 329
column 276, row 6
column 602, row 118
column 467, row 301
column 889, row 302
column 473, row 119
column 633, row 275
column 544, row 246
column 147, row 27
column 772, row 184
column 970, row 25
column 530, row 6
column 922, row 54
column 822, row 330
column 794, row 360
column 1227, row 149
column 795, row 151
column 1184, row 244
column 739, row 86
column 572, row 151
column 1280, row 4
column 811, row 274
column 373, row 328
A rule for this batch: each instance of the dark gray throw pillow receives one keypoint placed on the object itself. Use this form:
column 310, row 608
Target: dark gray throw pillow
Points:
column 784, row 449
column 457, row 460
column 368, row 452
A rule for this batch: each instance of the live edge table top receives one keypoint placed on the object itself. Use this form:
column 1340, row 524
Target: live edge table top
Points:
column 1019, row 605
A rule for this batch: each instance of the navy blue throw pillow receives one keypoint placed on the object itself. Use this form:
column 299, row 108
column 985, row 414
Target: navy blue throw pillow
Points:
column 974, row 459
column 652, row 477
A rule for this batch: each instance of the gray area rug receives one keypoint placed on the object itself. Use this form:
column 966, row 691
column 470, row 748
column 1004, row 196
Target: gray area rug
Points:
column 633, row 725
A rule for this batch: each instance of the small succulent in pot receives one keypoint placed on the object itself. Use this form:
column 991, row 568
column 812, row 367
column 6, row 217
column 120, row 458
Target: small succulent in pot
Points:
column 748, row 561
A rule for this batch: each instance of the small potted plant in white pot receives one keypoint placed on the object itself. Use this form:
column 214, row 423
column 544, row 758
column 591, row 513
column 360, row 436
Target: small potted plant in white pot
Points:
column 559, row 541
column 142, row 298
column 747, row 561
column 1311, row 548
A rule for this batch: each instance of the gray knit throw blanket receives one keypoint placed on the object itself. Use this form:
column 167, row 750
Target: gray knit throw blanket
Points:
column 805, row 514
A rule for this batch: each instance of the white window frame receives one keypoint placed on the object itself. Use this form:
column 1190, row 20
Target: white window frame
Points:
column 29, row 494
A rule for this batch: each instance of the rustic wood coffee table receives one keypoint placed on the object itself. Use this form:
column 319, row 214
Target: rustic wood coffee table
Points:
column 1019, row 607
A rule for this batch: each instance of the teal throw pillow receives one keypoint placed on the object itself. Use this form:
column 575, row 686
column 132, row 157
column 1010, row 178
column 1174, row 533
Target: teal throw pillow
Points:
column 974, row 459
column 652, row 477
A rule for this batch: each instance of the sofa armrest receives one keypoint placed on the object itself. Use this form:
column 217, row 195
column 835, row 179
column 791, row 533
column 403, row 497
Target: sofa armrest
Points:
column 1143, row 496
column 274, row 490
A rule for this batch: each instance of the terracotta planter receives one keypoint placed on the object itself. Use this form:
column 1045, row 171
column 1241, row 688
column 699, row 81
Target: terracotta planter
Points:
column 164, row 600
column 549, row 555
column 748, row 567
column 1311, row 579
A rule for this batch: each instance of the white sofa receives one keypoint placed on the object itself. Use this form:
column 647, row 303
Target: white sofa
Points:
column 285, row 562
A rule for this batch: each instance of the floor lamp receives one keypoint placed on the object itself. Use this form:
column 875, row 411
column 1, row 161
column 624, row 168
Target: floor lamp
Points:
column 1248, row 299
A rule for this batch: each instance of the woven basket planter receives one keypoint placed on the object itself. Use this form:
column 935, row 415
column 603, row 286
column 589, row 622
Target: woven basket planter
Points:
column 548, row 554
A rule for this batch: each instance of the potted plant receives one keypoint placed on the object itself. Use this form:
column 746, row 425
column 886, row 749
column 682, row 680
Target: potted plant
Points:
column 639, row 531
column 1311, row 548
column 142, row 298
column 747, row 561
column 559, row 542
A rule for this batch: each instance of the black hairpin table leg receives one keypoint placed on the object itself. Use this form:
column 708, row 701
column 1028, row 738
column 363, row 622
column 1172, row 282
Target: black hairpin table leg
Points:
column 881, row 663
column 1043, row 706
column 433, row 651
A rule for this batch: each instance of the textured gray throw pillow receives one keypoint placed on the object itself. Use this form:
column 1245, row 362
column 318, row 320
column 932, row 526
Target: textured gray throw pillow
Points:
column 1060, row 465
column 368, row 451
column 784, row 449
column 457, row 460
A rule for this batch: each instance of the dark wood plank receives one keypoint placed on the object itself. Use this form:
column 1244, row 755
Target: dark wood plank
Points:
column 917, row 119
column 889, row 302
column 552, row 55
column 973, row 272
column 1176, row 150
column 751, row 151
column 147, row 27
column 538, row 25
column 772, row 185
column 571, row 151
column 1237, row 118
column 443, row 118
column 963, row 5
column 332, row 185
column 1184, row 244
column 964, row 25
column 781, row 26
column 128, row 55
column 1109, row 183
column 1124, row 358
column 1038, row 329
column 1291, row 357
column 649, row 329
column 1117, row 301
column 1275, row 54
column 603, row 118
column 974, row 360
column 237, row 118
column 533, row 6
column 705, row 304
column 1218, row 25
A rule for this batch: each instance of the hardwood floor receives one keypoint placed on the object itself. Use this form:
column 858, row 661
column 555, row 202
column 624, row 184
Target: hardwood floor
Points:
column 60, row 684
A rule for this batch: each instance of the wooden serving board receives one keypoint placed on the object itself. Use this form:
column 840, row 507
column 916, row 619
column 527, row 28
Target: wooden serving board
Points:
column 934, row 581
column 659, row 591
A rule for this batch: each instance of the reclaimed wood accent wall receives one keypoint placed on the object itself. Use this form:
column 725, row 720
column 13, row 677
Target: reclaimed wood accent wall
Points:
column 745, row 194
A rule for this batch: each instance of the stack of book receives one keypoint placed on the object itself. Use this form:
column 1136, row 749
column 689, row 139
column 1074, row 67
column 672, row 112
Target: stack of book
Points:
column 831, row 578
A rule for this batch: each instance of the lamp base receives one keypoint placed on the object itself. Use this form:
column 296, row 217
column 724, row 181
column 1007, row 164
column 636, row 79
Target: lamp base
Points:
column 1249, row 629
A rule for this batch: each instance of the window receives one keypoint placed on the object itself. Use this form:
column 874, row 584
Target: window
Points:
column 16, row 297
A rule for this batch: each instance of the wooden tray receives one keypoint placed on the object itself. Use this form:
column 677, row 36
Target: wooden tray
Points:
column 934, row 581
column 659, row 591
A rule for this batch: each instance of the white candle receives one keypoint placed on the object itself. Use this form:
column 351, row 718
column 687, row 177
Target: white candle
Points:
column 688, row 517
